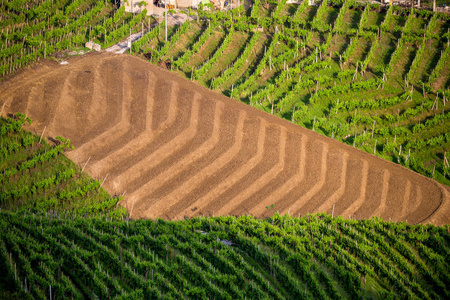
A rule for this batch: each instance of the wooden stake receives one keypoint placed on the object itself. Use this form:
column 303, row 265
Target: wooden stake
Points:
column 40, row 139
column 85, row 164
column 272, row 106
column 445, row 159
column 373, row 127
column 104, row 179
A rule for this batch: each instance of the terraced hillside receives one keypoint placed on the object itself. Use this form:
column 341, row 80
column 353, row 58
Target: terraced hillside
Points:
column 176, row 149
column 372, row 76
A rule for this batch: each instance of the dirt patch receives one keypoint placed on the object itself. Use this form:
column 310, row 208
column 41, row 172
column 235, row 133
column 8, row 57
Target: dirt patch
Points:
column 165, row 64
column 179, row 150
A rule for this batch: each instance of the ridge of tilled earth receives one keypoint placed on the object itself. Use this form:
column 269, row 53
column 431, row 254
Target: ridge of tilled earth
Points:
column 178, row 150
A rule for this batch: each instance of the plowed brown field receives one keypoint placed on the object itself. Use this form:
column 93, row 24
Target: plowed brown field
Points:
column 177, row 149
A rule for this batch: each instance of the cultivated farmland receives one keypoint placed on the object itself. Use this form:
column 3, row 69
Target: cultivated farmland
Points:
column 313, row 257
column 178, row 150
column 363, row 90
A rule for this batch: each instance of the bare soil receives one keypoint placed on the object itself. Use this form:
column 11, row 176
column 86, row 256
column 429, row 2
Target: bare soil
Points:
column 179, row 150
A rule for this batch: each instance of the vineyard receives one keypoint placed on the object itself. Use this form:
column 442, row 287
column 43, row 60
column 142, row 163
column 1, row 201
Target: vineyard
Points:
column 374, row 77
column 371, row 76
column 38, row 178
column 303, row 212
column 174, row 149
column 61, row 237
column 46, row 28
column 56, row 256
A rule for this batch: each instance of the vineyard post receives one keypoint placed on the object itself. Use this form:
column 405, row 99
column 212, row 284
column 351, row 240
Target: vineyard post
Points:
column 332, row 211
column 239, row 7
column 445, row 159
column 42, row 134
column 373, row 127
column 104, row 179
column 375, row 147
column 50, row 287
column 273, row 101
column 434, row 103
column 85, row 164
column 448, row 39
column 165, row 22
column 356, row 71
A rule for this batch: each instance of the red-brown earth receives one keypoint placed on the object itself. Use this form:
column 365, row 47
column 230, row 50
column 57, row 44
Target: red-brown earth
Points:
column 178, row 150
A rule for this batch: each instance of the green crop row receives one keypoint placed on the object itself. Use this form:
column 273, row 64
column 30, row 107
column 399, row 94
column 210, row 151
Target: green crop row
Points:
column 313, row 257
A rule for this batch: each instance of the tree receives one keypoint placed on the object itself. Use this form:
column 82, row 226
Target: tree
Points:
column 142, row 4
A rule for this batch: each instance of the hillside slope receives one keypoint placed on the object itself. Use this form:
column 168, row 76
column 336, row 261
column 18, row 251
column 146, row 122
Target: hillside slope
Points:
column 314, row 257
column 177, row 149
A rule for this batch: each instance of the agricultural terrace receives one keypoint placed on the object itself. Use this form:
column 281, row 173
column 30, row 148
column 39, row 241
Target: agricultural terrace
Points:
column 374, row 77
column 62, row 237
column 175, row 149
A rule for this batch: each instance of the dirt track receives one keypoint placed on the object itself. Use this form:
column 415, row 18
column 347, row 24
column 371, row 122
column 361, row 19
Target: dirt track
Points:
column 177, row 149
